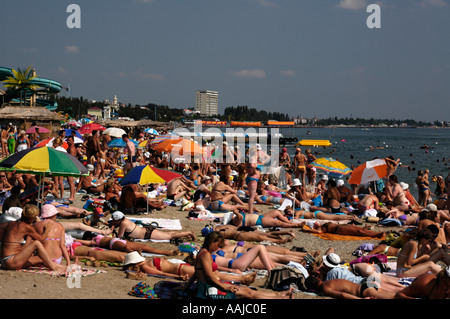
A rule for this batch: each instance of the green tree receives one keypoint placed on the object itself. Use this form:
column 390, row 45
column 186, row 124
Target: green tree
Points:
column 22, row 82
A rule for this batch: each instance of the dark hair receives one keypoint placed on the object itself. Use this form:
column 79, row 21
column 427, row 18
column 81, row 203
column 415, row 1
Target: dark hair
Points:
column 434, row 229
column 424, row 233
column 393, row 178
column 212, row 237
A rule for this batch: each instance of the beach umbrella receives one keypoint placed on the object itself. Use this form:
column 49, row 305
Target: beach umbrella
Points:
column 161, row 138
column 151, row 131
column 182, row 147
column 69, row 132
column 143, row 143
column 49, row 142
column 331, row 165
column 44, row 161
column 145, row 174
column 40, row 128
column 368, row 172
column 88, row 128
column 115, row 131
column 119, row 142
column 74, row 123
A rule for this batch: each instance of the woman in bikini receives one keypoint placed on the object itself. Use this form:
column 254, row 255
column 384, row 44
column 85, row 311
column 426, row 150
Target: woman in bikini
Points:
column 416, row 256
column 424, row 187
column 54, row 244
column 106, row 242
column 253, row 176
column 272, row 218
column 394, row 193
column 276, row 237
column 303, row 214
column 128, row 229
column 22, row 245
column 135, row 265
column 207, row 280
column 341, row 229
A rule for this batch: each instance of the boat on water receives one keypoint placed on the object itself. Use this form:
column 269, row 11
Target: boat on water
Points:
column 323, row 143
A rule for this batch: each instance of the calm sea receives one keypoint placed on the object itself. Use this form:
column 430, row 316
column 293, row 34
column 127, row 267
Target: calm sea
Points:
column 352, row 146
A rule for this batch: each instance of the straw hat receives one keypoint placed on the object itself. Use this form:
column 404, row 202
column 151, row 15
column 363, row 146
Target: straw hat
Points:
column 133, row 258
column 48, row 210
column 331, row 260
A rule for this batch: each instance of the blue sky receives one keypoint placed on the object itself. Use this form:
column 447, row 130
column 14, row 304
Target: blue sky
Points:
column 301, row 57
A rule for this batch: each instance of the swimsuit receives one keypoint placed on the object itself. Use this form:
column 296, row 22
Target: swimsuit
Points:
column 249, row 179
column 257, row 223
column 148, row 231
column 217, row 205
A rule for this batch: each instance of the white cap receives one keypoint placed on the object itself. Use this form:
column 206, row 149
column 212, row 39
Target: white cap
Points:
column 117, row 215
column 404, row 186
column 340, row 182
column 296, row 182
column 133, row 258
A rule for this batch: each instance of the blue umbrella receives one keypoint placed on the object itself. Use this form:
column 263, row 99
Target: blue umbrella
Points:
column 151, row 131
column 118, row 142
column 69, row 132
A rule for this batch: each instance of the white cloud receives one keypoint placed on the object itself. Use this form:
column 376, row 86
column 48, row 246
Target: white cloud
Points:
column 72, row 49
column 287, row 73
column 256, row 73
column 352, row 4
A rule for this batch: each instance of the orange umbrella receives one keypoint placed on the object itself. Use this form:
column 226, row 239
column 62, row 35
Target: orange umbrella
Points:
column 165, row 145
column 368, row 172
column 182, row 146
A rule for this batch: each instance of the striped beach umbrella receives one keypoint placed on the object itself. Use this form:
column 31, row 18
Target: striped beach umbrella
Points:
column 49, row 142
column 146, row 174
column 331, row 165
column 161, row 138
column 368, row 172
column 44, row 160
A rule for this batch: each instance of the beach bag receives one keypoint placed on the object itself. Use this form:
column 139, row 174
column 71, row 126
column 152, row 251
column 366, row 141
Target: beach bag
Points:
column 207, row 229
column 142, row 290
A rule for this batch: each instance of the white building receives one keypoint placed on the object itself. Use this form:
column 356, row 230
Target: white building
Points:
column 207, row 102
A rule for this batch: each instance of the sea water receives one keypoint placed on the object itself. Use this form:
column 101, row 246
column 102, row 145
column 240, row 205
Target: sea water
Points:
column 354, row 146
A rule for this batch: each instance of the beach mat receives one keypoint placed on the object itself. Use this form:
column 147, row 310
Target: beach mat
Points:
column 45, row 271
column 167, row 224
column 327, row 236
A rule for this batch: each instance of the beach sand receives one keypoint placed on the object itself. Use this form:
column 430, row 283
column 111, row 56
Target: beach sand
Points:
column 113, row 284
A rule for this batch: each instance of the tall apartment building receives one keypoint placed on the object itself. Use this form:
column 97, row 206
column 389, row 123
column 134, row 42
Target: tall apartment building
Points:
column 207, row 102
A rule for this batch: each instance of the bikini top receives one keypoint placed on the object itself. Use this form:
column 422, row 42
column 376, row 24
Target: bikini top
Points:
column 214, row 265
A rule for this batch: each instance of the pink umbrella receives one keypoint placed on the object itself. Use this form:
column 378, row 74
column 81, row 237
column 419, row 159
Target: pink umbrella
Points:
column 40, row 128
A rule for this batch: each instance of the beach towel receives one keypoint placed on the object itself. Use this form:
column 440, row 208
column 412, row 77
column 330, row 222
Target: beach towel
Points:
column 167, row 224
column 46, row 271
column 328, row 236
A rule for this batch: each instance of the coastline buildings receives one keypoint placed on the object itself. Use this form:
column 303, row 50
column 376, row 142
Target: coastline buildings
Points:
column 207, row 102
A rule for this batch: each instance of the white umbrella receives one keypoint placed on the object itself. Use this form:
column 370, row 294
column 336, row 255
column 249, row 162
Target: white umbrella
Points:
column 115, row 131
column 151, row 131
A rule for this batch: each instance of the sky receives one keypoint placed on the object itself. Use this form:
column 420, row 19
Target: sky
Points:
column 310, row 58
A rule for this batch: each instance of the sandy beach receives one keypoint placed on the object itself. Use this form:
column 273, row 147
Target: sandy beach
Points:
column 111, row 282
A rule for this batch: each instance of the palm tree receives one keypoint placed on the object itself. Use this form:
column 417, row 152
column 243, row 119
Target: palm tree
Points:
column 21, row 81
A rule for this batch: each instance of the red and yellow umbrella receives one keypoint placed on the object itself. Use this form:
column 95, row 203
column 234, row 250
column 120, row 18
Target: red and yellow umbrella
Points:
column 181, row 147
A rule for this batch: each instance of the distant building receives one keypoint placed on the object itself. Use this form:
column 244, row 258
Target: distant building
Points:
column 95, row 112
column 207, row 102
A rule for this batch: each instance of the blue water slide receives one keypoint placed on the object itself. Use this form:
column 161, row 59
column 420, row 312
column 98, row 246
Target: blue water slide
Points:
column 51, row 86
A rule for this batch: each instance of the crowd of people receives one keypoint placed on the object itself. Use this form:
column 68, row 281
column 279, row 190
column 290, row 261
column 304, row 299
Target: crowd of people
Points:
column 39, row 233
